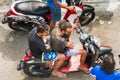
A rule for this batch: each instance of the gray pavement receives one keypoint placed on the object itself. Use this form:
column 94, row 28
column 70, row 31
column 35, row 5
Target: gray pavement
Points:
column 13, row 44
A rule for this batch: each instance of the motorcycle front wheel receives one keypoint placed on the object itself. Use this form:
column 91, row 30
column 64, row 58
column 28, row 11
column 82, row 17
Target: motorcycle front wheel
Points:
column 86, row 17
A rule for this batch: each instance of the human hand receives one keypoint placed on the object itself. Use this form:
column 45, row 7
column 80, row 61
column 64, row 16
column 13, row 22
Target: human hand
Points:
column 47, row 46
column 76, row 25
column 70, row 45
column 71, row 8
column 49, row 64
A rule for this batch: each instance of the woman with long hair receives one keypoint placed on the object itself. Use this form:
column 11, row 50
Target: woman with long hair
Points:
column 106, row 70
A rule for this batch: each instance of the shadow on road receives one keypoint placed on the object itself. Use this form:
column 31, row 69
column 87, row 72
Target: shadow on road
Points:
column 14, row 45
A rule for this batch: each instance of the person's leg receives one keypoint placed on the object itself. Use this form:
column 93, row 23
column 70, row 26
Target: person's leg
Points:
column 52, row 25
column 82, row 60
column 74, row 52
column 56, row 16
column 57, row 65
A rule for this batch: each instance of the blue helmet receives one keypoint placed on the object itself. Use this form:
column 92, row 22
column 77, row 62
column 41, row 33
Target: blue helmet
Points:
column 50, row 56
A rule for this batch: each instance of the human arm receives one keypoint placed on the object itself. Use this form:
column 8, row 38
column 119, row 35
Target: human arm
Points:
column 69, row 43
column 75, row 25
column 63, row 5
column 47, row 46
column 44, row 47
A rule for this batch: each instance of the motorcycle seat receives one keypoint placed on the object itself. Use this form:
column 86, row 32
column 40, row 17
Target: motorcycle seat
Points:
column 32, row 8
column 105, row 50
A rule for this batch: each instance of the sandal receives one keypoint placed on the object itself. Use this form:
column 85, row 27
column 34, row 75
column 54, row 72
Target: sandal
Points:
column 60, row 75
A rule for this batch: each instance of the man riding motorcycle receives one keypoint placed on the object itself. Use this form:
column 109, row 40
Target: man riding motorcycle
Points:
column 36, row 40
column 61, row 43
column 38, row 43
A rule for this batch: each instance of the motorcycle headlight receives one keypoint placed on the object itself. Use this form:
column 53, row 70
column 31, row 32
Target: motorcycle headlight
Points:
column 83, row 37
column 96, row 40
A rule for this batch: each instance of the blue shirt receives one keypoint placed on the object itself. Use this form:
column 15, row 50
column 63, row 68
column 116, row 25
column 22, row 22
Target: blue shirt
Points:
column 101, row 75
column 52, row 4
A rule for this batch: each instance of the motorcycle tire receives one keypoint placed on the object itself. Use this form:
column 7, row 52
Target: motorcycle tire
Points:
column 13, row 25
column 85, row 15
column 28, row 70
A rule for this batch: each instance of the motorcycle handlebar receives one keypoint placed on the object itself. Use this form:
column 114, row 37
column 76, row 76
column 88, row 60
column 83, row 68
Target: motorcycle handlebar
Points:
column 79, row 30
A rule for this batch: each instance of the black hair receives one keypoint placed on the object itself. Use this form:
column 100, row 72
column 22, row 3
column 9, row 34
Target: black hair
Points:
column 63, row 25
column 42, row 27
column 108, row 64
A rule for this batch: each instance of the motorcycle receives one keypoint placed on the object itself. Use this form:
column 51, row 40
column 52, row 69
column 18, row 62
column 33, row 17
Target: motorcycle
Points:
column 91, row 44
column 23, row 15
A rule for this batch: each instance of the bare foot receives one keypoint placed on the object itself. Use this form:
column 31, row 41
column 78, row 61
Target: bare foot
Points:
column 49, row 64
column 59, row 74
column 84, row 69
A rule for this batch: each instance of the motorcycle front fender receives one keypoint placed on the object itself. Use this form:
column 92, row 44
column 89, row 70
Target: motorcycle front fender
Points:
column 88, row 8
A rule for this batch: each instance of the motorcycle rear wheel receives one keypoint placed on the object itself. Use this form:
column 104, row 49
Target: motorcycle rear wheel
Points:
column 28, row 70
column 12, row 25
column 87, row 17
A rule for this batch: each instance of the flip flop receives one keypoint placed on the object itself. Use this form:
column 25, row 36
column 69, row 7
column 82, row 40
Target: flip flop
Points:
column 60, row 75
